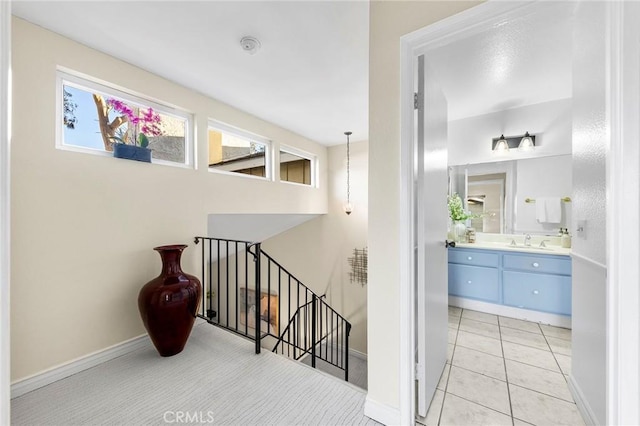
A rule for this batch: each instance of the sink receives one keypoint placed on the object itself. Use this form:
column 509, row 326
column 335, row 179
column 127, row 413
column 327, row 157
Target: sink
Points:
column 522, row 246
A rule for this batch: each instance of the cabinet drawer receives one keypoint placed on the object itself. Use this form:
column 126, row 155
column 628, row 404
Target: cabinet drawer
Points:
column 474, row 282
column 546, row 264
column 474, row 258
column 541, row 292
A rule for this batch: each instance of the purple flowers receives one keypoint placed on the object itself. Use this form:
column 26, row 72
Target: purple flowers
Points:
column 148, row 122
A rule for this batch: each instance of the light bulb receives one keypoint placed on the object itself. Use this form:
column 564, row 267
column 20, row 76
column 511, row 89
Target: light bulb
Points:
column 502, row 145
column 348, row 208
column 526, row 144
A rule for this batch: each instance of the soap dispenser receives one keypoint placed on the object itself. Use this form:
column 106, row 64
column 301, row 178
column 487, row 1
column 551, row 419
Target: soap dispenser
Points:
column 565, row 240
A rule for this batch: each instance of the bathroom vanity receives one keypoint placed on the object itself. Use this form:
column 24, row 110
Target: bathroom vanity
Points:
column 518, row 281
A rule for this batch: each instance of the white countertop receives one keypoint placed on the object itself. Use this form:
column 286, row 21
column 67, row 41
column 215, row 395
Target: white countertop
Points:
column 520, row 247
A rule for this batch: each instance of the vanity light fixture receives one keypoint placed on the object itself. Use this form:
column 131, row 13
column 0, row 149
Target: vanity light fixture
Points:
column 524, row 142
column 501, row 145
column 348, row 207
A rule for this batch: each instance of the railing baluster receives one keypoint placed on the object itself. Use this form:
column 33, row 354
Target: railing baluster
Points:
column 269, row 297
column 218, row 283
column 312, row 321
column 227, row 274
column 246, row 289
column 313, row 331
column 257, row 299
column 236, row 299
column 279, row 303
column 346, row 359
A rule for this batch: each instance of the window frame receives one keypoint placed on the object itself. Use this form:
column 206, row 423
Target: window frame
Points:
column 80, row 81
column 221, row 127
column 313, row 160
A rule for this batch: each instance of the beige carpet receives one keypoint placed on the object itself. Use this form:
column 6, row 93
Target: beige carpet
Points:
column 217, row 379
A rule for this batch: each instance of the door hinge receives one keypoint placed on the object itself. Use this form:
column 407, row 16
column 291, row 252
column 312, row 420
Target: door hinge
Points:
column 416, row 100
column 419, row 371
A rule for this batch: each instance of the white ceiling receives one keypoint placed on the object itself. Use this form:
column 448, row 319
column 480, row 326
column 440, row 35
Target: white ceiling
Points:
column 518, row 62
column 311, row 75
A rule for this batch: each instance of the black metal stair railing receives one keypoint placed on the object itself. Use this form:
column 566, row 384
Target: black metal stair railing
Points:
column 318, row 331
column 248, row 292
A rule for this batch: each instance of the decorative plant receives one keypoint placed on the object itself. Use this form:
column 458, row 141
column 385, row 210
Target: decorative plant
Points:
column 456, row 209
column 140, row 126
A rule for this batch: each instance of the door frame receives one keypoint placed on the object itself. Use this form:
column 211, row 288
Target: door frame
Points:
column 623, row 163
column 5, row 241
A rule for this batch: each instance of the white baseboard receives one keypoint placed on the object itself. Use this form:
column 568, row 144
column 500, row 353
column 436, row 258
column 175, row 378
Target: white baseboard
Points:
column 586, row 412
column 54, row 374
column 381, row 413
column 358, row 354
column 511, row 312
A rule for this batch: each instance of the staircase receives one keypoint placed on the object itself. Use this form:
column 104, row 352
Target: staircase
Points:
column 288, row 318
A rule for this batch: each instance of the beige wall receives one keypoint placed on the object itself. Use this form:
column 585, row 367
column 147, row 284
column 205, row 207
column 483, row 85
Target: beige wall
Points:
column 83, row 225
column 316, row 252
column 389, row 20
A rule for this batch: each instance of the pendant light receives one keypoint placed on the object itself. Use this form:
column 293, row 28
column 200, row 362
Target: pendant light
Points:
column 348, row 208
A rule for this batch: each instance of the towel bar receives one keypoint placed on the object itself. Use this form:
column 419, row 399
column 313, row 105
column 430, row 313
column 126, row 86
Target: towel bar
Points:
column 533, row 200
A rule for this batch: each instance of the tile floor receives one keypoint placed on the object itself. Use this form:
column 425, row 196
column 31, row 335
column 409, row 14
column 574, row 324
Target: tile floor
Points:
column 503, row 371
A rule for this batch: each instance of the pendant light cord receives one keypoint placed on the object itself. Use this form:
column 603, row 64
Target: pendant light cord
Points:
column 348, row 173
column 348, row 167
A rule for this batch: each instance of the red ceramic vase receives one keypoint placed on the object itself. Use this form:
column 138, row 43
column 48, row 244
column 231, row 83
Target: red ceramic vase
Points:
column 168, row 303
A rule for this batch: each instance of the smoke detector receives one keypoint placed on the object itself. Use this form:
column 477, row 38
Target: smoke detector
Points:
column 250, row 44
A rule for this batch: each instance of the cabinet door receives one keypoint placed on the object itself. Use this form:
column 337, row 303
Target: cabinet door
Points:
column 547, row 264
column 540, row 292
column 473, row 258
column 474, row 282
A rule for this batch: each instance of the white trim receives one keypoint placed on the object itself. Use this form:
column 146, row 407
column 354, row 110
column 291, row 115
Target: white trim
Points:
column 588, row 260
column 5, row 224
column 77, row 80
column 249, row 137
column 584, row 408
column 358, row 354
column 623, row 232
column 413, row 45
column 407, row 376
column 511, row 312
column 382, row 413
column 306, row 156
column 77, row 365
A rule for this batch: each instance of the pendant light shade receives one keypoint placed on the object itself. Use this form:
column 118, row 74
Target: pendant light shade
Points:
column 348, row 207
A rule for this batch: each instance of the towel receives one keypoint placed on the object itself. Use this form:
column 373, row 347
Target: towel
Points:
column 549, row 209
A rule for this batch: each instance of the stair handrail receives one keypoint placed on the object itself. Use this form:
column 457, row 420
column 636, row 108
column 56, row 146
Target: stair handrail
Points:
column 317, row 304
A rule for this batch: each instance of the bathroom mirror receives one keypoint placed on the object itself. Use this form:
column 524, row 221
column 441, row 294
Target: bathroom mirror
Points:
column 505, row 192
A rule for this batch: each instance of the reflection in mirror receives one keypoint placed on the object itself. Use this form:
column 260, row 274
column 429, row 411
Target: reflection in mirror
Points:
column 499, row 190
column 485, row 198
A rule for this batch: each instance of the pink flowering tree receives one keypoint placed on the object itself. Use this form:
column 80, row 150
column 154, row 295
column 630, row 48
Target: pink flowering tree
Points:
column 129, row 126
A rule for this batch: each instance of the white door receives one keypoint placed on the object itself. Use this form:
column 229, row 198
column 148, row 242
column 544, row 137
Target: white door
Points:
column 431, row 231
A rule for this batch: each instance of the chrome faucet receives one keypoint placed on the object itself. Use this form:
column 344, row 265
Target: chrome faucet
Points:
column 527, row 240
column 542, row 243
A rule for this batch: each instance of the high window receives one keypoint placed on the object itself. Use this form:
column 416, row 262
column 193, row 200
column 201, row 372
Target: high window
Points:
column 297, row 167
column 93, row 116
column 237, row 151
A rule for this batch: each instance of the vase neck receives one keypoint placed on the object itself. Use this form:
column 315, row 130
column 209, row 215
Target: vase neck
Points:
column 170, row 260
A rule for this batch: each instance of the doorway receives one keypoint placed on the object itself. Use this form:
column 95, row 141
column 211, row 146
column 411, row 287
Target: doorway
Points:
column 485, row 16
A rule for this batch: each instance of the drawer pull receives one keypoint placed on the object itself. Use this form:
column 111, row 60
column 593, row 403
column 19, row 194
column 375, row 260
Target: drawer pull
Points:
column 535, row 292
column 469, row 258
column 535, row 264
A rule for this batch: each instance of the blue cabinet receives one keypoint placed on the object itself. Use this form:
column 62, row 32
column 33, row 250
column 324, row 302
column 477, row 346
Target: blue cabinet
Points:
column 522, row 280
column 474, row 282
